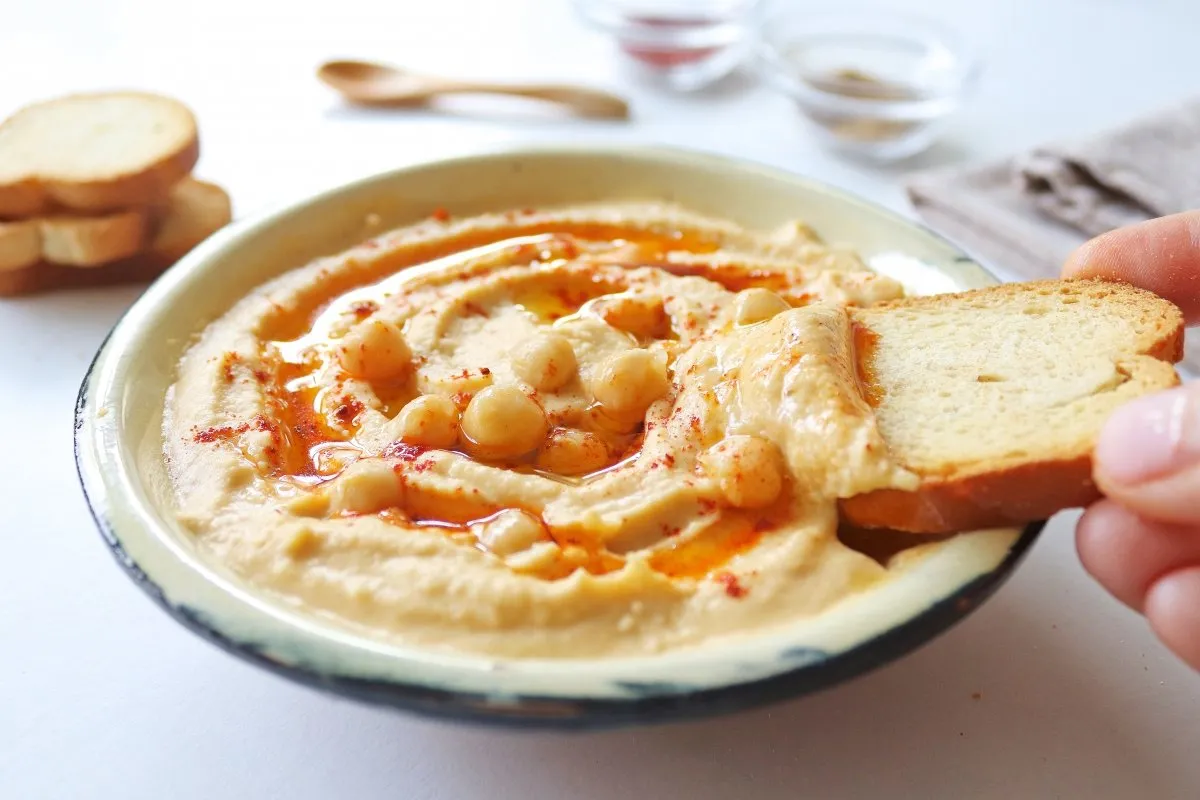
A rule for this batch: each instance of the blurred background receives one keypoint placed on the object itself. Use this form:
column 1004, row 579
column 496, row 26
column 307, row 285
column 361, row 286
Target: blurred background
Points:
column 271, row 131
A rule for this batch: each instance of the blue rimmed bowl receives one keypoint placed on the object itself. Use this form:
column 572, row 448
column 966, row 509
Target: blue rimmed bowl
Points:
column 118, row 446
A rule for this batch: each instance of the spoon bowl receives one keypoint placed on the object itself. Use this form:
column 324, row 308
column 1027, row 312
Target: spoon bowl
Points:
column 355, row 73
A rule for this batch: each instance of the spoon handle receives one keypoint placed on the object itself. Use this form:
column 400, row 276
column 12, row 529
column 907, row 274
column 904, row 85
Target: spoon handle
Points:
column 586, row 101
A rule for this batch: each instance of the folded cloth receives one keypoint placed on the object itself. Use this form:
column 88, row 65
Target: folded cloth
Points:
column 1143, row 170
column 986, row 211
column 1026, row 214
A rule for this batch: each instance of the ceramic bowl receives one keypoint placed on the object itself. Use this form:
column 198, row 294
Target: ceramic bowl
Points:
column 118, row 451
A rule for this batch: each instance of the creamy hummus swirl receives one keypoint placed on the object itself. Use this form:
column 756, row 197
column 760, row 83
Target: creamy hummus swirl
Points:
column 582, row 432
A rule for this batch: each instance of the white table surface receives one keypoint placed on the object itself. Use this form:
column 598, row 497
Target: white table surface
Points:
column 1050, row 690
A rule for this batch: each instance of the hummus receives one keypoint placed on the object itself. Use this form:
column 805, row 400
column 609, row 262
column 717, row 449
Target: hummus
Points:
column 582, row 432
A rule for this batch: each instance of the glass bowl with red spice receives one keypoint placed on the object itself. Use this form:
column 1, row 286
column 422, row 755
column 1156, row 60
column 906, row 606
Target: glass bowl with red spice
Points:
column 871, row 84
column 682, row 44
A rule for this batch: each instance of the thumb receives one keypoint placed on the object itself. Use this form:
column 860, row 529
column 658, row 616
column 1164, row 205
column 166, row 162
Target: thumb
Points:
column 1148, row 455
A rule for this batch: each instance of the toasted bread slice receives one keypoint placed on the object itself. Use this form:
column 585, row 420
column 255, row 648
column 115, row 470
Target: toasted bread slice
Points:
column 90, row 241
column 193, row 211
column 94, row 153
column 20, row 244
column 74, row 240
column 995, row 397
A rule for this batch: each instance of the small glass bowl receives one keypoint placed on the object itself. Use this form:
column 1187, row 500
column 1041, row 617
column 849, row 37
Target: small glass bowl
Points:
column 681, row 44
column 872, row 84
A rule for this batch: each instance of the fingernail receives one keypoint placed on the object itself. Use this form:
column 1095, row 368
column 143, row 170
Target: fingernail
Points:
column 1151, row 437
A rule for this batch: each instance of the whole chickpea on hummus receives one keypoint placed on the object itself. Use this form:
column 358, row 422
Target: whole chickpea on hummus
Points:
column 594, row 431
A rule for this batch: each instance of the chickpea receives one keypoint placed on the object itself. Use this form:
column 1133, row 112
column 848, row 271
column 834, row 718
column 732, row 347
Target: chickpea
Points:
column 309, row 504
column 303, row 543
column 540, row 558
column 429, row 420
column 510, row 531
column 545, row 361
column 572, row 452
column 502, row 422
column 375, row 350
column 758, row 305
column 460, row 382
column 748, row 470
column 639, row 314
column 626, row 384
column 261, row 448
column 366, row 486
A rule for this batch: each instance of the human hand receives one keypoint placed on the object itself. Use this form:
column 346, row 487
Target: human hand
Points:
column 1142, row 542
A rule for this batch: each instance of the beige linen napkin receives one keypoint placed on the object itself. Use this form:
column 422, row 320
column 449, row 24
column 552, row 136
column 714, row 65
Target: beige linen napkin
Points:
column 1026, row 214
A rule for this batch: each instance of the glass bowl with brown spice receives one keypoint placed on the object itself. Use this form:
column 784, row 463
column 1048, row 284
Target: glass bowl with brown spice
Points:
column 871, row 84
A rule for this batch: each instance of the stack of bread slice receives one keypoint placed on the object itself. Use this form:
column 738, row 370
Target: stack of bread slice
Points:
column 97, row 189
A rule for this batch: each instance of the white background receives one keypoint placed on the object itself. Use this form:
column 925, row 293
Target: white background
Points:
column 1051, row 690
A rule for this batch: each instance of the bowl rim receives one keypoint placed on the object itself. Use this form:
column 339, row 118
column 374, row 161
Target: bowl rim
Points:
column 627, row 703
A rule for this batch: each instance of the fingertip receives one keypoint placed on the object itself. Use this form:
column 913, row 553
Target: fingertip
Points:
column 1161, row 255
column 1172, row 606
column 1126, row 553
column 1147, row 456
column 1084, row 260
column 1106, row 540
column 1141, row 440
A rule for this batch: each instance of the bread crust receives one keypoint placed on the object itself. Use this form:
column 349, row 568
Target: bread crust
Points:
column 1004, row 494
column 23, row 198
column 1016, row 495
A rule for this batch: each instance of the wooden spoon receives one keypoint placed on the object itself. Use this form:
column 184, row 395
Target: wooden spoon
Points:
column 369, row 83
